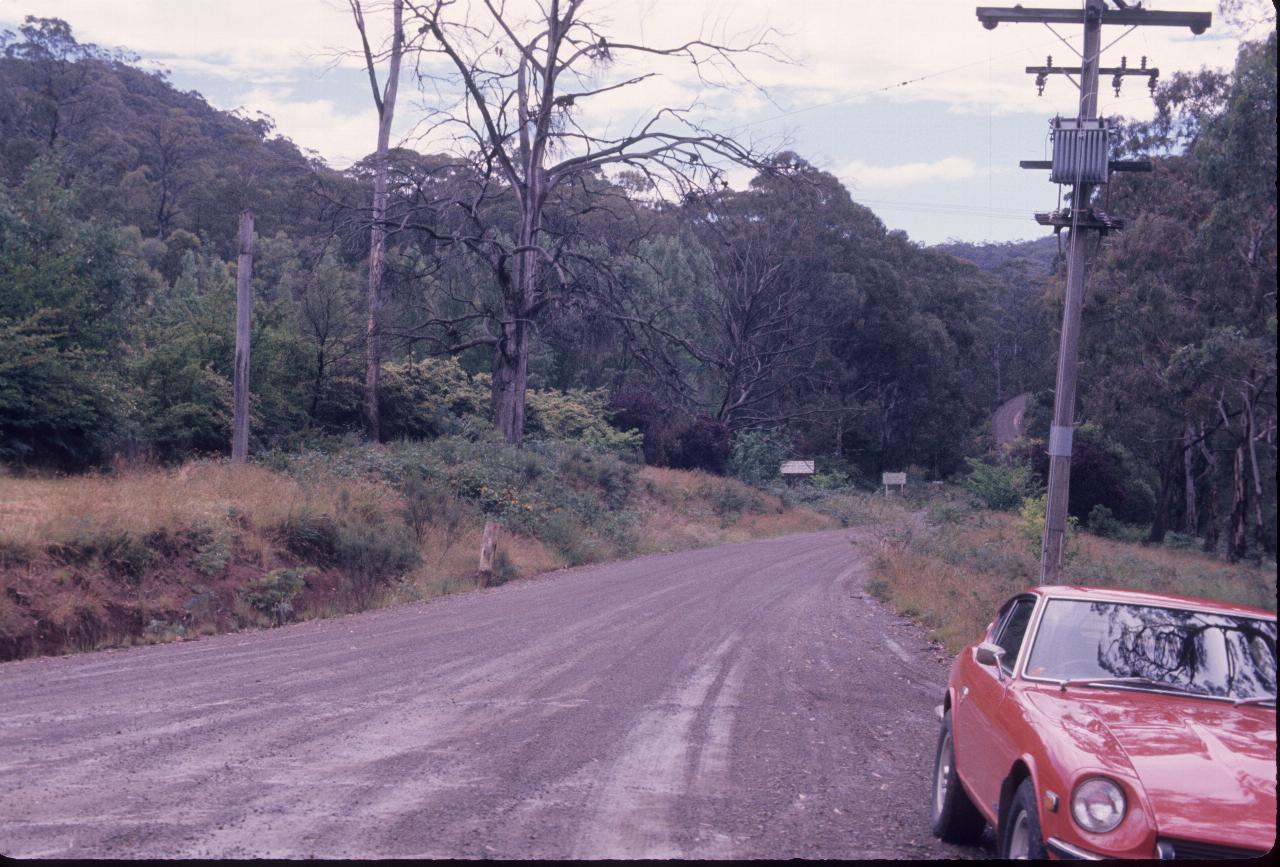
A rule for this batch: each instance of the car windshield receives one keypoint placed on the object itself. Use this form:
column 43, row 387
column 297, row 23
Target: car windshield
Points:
column 1190, row 651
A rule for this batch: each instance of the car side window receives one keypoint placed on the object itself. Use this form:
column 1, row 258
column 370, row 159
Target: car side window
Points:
column 1013, row 630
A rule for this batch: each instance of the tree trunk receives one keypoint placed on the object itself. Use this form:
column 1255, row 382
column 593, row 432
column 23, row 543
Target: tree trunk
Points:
column 1238, row 543
column 386, row 105
column 1250, row 437
column 1160, row 521
column 1191, row 517
column 244, row 307
column 510, row 378
column 1211, row 519
column 511, row 355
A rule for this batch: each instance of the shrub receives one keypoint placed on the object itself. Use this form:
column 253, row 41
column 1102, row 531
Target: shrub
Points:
column 429, row 503
column 211, row 558
column 999, row 488
column 504, row 569
column 627, row 445
column 1103, row 523
column 1105, row 472
column 1180, row 541
column 1030, row 525
column 368, row 549
column 120, row 554
column 757, row 455
column 310, row 535
column 728, row 503
column 428, row 398
column 273, row 594
column 634, row 407
column 833, row 480
column 703, row 445
column 370, row 555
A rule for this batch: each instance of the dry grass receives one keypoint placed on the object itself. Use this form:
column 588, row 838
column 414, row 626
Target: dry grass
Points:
column 681, row 509
column 122, row 558
column 953, row 576
column 35, row 512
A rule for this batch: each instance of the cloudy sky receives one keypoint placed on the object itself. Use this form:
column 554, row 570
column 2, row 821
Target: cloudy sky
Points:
column 921, row 112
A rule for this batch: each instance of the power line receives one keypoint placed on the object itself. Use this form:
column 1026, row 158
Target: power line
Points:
column 872, row 91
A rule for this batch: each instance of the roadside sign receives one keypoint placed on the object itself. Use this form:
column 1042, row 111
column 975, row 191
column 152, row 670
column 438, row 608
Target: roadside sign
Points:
column 887, row 479
column 797, row 468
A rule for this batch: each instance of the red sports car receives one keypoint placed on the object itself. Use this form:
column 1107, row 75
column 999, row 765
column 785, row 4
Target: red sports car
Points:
column 1094, row 723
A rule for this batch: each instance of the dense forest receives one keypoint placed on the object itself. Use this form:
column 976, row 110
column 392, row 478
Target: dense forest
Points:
column 717, row 329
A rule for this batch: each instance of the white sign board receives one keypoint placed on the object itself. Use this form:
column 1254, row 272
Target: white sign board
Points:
column 893, row 479
column 797, row 468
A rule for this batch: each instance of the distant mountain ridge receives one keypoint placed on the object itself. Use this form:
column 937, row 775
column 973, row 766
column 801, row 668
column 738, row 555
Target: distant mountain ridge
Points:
column 1037, row 255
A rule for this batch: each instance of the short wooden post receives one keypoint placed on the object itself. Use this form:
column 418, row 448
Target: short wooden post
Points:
column 244, row 308
column 487, row 548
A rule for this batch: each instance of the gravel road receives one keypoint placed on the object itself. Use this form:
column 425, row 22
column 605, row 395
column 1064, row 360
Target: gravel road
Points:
column 740, row 701
column 1008, row 422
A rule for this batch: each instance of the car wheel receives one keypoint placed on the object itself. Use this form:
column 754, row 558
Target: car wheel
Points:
column 955, row 818
column 1020, row 836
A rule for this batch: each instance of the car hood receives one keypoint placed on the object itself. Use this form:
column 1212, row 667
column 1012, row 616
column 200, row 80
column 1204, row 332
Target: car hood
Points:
column 1208, row 768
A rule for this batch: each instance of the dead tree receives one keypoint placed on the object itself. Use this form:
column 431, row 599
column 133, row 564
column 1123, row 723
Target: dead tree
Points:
column 384, row 99
column 515, row 91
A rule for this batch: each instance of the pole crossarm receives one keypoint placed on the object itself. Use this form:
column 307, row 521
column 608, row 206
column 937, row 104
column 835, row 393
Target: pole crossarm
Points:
column 1197, row 22
column 1117, row 73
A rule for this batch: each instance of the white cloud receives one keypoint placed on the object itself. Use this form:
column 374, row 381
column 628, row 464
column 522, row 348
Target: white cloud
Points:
column 341, row 138
column 859, row 175
column 844, row 50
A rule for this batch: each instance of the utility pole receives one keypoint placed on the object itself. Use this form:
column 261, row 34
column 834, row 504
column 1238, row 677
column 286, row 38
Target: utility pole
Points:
column 244, row 308
column 1080, row 158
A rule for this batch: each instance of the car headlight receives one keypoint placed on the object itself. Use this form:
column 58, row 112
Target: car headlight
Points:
column 1098, row 805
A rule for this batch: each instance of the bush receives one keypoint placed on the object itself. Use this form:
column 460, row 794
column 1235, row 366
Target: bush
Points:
column 1030, row 526
column 212, row 558
column 504, row 569
column 757, row 455
column 999, row 488
column 1102, row 523
column 273, row 594
column 370, row 555
column 1105, row 472
column 833, row 480
column 120, row 555
column 728, row 501
column 430, row 503
column 703, row 445
column 1180, row 541
column 369, row 550
column 428, row 398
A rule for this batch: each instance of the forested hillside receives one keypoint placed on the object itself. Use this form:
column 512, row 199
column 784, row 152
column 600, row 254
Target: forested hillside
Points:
column 724, row 330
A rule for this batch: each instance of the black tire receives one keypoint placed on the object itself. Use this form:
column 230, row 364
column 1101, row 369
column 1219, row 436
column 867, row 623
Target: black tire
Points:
column 1020, row 834
column 955, row 818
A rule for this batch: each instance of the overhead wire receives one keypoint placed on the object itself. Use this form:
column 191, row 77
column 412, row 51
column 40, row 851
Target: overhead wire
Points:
column 875, row 90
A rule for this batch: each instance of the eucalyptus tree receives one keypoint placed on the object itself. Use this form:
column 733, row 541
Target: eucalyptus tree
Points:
column 523, row 95
column 384, row 100
column 1183, row 326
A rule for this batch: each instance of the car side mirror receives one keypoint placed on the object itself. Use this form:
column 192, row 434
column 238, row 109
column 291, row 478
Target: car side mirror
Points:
column 989, row 653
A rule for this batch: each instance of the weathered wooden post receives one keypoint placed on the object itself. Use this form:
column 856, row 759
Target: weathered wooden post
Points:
column 487, row 548
column 244, row 307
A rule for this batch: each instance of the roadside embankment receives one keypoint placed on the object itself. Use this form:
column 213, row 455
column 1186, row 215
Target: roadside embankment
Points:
column 952, row 567
column 151, row 554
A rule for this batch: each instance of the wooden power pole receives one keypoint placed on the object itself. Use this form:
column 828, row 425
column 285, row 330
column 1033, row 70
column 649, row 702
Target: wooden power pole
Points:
column 1080, row 158
column 244, row 306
